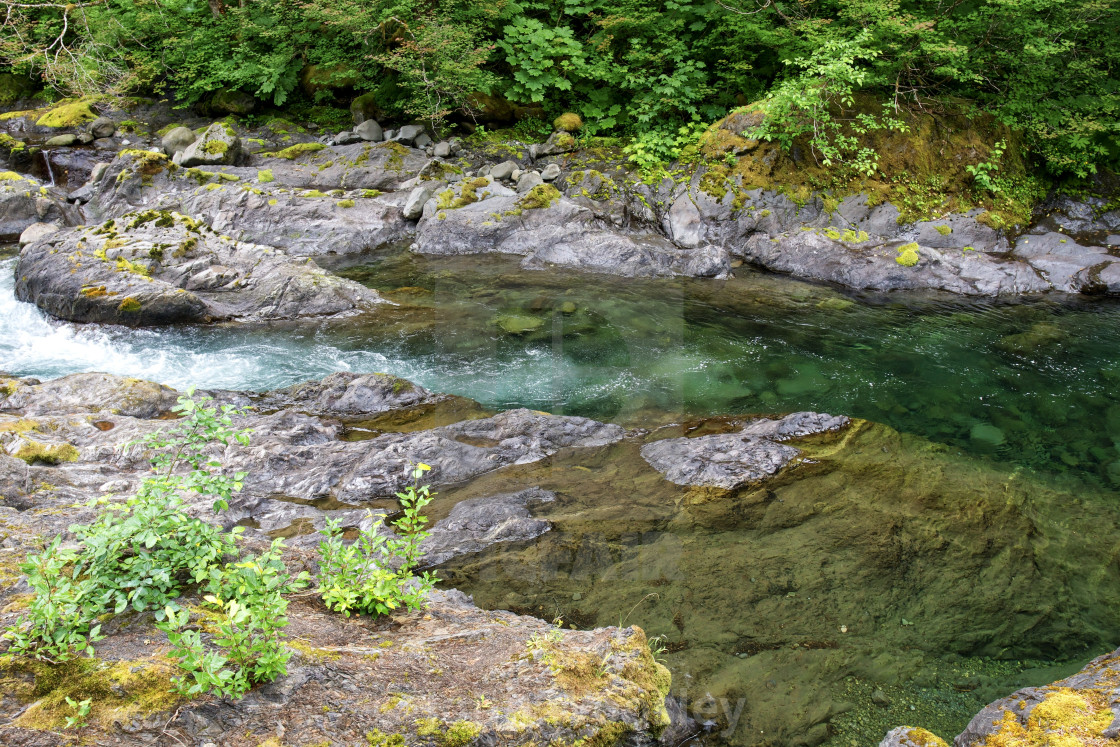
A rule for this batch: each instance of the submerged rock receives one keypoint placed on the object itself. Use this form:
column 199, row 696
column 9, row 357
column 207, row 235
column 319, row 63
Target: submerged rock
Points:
column 477, row 523
column 154, row 268
column 732, row 460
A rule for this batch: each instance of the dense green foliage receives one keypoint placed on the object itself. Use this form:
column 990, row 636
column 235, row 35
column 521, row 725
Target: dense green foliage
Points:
column 140, row 553
column 360, row 576
column 1046, row 67
column 246, row 622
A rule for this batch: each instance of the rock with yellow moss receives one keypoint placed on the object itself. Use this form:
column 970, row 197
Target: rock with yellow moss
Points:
column 219, row 145
column 1079, row 710
column 25, row 201
column 480, row 216
column 158, row 267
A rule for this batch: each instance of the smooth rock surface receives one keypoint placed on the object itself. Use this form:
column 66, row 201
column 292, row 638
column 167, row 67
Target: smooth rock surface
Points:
column 732, row 460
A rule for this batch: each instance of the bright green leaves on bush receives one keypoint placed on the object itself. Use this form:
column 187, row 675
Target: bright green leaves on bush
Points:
column 139, row 554
column 374, row 574
column 191, row 443
column 59, row 619
column 245, row 614
column 541, row 58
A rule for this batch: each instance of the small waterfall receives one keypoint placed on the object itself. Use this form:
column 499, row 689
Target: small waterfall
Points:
column 47, row 163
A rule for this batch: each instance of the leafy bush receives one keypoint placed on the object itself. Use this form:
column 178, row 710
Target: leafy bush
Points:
column 140, row 554
column 1046, row 68
column 59, row 618
column 360, row 577
column 247, row 618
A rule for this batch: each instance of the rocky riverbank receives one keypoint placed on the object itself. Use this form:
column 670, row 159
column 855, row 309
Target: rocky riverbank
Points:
column 338, row 447
column 449, row 675
column 277, row 185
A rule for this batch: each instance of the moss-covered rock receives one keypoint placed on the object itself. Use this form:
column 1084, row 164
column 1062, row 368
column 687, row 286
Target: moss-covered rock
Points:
column 218, row 145
column 119, row 691
column 69, row 113
column 35, row 452
column 568, row 122
column 296, row 151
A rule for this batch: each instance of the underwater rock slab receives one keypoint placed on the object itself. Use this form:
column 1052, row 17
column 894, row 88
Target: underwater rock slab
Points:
column 476, row 523
column 731, row 460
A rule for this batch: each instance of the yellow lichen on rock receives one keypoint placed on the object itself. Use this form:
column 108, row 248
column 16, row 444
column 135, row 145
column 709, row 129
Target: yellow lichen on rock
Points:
column 34, row 452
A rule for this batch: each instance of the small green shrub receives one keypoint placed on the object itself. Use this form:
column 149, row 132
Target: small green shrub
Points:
column 359, row 577
column 139, row 554
column 247, row 619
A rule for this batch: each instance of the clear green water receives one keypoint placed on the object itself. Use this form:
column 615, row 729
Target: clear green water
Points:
column 966, row 548
column 1035, row 383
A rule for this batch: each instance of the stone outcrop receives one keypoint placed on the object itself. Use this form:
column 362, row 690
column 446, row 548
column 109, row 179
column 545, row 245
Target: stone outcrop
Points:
column 350, row 193
column 25, row 201
column 478, row 523
column 547, row 229
column 732, row 460
column 153, row 268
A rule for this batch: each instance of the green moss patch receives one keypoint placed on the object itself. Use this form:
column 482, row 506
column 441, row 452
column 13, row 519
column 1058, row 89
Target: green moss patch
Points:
column 539, row 197
column 908, row 254
column 34, row 452
column 68, row 114
column 120, row 691
column 922, row 171
column 293, row 152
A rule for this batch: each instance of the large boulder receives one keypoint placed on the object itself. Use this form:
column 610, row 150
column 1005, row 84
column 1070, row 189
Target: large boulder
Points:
column 856, row 262
column 370, row 131
column 316, row 78
column 155, row 267
column 178, row 139
column 102, row 127
column 291, row 204
column 218, row 145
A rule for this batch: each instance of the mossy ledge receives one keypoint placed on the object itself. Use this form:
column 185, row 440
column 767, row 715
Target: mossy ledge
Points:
column 120, row 691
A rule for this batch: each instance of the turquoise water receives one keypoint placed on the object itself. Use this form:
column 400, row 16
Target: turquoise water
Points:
column 1034, row 383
